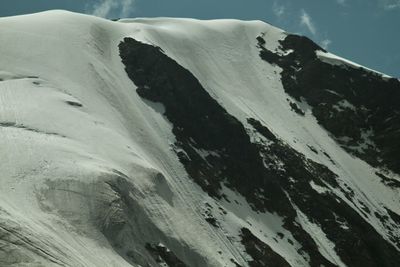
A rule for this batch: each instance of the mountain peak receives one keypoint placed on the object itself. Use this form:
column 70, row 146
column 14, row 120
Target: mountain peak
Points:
column 181, row 142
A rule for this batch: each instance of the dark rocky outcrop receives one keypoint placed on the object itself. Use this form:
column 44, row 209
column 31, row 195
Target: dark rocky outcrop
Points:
column 163, row 255
column 262, row 254
column 269, row 174
column 326, row 210
column 200, row 123
column 388, row 181
column 74, row 104
column 354, row 104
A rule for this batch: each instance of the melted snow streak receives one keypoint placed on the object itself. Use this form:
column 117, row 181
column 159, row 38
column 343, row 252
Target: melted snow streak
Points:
column 179, row 142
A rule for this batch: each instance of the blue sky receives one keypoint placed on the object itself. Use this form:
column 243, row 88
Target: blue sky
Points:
column 365, row 31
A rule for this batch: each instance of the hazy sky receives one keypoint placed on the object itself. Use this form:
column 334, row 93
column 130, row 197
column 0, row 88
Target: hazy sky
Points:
column 365, row 31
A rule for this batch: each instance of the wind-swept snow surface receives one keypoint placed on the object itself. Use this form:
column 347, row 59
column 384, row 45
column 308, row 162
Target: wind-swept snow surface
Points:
column 172, row 142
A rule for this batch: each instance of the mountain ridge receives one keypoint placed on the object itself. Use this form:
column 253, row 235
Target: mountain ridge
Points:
column 187, row 143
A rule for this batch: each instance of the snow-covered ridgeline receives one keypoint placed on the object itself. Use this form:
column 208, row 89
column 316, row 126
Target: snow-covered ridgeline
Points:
column 71, row 124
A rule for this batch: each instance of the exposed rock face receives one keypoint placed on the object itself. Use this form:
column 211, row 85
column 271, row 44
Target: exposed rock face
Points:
column 359, row 107
column 262, row 254
column 164, row 256
column 269, row 174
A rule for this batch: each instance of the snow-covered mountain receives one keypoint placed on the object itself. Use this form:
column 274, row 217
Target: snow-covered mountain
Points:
column 178, row 142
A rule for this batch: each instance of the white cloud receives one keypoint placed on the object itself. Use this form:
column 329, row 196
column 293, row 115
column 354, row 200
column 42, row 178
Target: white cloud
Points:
column 326, row 43
column 393, row 5
column 306, row 21
column 127, row 7
column 104, row 8
column 389, row 4
column 341, row 2
column 107, row 8
column 279, row 10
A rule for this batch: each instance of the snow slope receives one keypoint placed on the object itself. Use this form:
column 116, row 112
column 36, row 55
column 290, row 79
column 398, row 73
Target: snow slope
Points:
column 336, row 60
column 71, row 125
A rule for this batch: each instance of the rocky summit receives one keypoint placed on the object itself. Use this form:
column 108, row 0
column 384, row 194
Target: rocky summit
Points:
column 181, row 142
